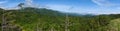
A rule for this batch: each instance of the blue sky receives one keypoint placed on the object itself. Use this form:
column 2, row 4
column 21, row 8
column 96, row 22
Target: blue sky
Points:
column 72, row 6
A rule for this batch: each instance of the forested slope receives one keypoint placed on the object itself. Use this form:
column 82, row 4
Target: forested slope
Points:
column 114, row 25
column 41, row 19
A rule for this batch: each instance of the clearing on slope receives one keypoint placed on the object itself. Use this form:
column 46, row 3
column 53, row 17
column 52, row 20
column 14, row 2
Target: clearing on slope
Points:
column 114, row 25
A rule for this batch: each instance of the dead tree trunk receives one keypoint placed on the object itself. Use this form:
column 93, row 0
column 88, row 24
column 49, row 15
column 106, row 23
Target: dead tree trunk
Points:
column 67, row 23
column 38, row 28
column 4, row 23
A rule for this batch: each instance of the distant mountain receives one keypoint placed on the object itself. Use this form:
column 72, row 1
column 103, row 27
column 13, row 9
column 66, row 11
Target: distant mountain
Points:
column 50, row 12
column 1, row 9
column 42, row 11
column 80, row 15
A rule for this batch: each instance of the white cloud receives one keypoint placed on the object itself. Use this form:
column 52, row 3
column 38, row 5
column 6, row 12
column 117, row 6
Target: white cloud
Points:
column 68, row 8
column 63, row 8
column 107, row 7
column 1, row 2
column 29, row 2
column 118, row 8
column 104, row 3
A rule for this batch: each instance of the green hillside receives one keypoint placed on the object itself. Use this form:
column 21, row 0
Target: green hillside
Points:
column 115, row 25
column 41, row 19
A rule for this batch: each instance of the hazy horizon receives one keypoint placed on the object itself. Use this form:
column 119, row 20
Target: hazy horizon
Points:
column 71, row 6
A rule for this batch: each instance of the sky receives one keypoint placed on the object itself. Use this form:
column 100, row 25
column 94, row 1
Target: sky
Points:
column 71, row 6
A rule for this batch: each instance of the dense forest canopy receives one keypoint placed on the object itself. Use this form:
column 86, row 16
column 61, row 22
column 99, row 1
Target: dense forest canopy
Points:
column 41, row 19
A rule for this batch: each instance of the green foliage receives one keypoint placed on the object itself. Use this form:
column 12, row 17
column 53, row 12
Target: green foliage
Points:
column 33, row 19
column 114, row 25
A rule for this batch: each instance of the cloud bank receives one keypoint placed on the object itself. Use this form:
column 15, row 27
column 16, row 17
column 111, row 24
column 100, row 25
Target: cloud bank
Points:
column 1, row 2
column 28, row 2
column 104, row 3
column 59, row 7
